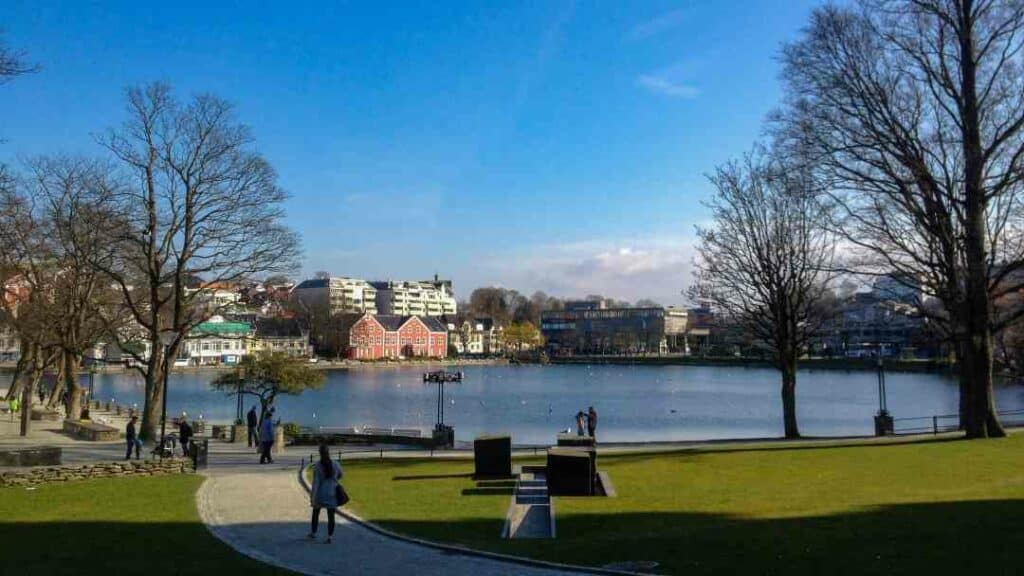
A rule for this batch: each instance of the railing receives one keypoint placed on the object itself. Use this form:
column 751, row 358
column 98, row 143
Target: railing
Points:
column 949, row 422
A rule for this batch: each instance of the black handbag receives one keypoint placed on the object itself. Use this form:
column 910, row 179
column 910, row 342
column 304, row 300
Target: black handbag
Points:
column 340, row 495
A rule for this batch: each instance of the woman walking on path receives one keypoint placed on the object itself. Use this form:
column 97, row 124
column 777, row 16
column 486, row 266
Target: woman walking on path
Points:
column 326, row 475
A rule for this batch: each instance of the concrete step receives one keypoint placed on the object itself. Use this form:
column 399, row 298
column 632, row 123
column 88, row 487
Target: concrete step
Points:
column 528, row 499
column 532, row 522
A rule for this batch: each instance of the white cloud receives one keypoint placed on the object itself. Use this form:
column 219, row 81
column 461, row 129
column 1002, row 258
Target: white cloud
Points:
column 626, row 269
column 659, row 24
column 668, row 87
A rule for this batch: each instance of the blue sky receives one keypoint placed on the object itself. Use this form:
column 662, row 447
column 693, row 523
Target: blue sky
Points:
column 540, row 145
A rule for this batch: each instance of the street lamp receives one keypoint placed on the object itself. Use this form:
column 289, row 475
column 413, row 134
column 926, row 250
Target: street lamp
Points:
column 167, row 339
column 883, row 420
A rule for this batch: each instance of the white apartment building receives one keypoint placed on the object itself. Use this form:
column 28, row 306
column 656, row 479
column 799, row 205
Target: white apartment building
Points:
column 338, row 295
column 424, row 298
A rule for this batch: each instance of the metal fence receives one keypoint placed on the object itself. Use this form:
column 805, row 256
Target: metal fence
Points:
column 949, row 422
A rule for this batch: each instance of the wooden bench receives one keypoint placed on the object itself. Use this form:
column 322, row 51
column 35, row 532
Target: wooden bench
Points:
column 91, row 431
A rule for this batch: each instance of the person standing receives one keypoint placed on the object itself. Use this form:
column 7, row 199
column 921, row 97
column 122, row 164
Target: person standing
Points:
column 580, row 417
column 267, row 438
column 251, row 422
column 184, row 434
column 12, row 406
column 591, row 421
column 326, row 476
column 131, row 436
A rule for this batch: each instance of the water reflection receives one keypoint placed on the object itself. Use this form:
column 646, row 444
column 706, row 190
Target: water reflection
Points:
column 634, row 402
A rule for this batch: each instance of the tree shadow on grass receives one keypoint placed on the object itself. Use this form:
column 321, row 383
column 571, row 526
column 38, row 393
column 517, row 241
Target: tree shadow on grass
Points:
column 980, row 537
column 115, row 548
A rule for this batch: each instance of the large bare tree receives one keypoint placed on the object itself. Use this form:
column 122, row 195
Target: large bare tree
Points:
column 27, row 272
column 72, row 196
column 198, row 201
column 764, row 261
column 912, row 113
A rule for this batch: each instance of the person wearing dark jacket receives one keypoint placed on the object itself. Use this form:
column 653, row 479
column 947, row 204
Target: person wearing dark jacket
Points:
column 591, row 421
column 251, row 422
column 132, row 438
column 184, row 434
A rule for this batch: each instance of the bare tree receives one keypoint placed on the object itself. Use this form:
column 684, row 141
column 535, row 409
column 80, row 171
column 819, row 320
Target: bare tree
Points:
column 27, row 272
column 764, row 261
column 199, row 201
column 72, row 196
column 911, row 112
column 12, row 63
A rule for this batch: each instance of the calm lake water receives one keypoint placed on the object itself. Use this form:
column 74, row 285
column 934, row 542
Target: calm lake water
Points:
column 634, row 403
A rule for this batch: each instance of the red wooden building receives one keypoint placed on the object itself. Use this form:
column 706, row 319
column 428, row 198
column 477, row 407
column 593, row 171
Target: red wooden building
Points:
column 374, row 337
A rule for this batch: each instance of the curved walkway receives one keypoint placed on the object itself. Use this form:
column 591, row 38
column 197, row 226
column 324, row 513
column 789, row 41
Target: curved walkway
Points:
column 263, row 512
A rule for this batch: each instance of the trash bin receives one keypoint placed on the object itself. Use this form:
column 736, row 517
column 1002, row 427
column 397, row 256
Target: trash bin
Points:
column 200, row 450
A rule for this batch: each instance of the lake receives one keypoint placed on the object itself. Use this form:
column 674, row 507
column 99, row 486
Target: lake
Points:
column 634, row 403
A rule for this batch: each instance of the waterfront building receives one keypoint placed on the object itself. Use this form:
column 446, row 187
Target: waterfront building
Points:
column 587, row 327
column 481, row 336
column 675, row 330
column 216, row 297
column 337, row 295
column 867, row 324
column 423, row 298
column 217, row 341
column 282, row 335
column 388, row 336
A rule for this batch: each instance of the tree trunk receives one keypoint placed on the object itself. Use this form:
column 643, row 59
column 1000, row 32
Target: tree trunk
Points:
column 71, row 366
column 26, row 413
column 981, row 421
column 19, row 370
column 153, row 406
column 789, row 397
column 57, row 392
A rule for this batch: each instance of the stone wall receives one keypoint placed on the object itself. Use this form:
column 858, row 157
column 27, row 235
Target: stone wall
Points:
column 51, row 474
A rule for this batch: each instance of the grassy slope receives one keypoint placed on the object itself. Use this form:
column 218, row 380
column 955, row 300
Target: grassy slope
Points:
column 117, row 526
column 913, row 508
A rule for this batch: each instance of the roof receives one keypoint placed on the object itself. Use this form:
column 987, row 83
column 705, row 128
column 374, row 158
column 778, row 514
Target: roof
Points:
column 221, row 328
column 433, row 324
column 392, row 322
column 279, row 328
column 313, row 283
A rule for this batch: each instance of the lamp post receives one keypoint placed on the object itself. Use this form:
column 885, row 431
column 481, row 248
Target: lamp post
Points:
column 92, row 380
column 167, row 338
column 883, row 420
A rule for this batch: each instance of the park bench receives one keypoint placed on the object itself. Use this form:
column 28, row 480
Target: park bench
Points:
column 91, row 431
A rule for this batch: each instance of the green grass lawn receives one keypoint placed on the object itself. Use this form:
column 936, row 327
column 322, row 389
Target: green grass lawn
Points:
column 113, row 526
column 928, row 508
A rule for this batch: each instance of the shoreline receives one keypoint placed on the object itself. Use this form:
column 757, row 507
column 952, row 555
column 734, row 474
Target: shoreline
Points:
column 8, row 367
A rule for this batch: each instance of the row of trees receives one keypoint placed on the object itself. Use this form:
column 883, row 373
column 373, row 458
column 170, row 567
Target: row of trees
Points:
column 898, row 151
column 107, row 248
column 506, row 305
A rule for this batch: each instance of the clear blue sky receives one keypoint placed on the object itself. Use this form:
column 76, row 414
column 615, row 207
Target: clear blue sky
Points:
column 541, row 145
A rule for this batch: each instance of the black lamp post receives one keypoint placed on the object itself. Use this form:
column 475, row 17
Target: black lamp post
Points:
column 883, row 420
column 167, row 338
column 92, row 380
